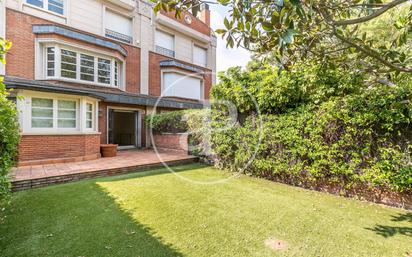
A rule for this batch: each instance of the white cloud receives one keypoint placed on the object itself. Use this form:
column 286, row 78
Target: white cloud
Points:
column 226, row 57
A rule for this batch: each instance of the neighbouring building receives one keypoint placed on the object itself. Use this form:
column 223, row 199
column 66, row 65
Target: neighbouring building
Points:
column 86, row 72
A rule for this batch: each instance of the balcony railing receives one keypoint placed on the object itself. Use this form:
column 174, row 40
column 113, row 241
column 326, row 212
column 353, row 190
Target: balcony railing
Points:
column 118, row 36
column 165, row 51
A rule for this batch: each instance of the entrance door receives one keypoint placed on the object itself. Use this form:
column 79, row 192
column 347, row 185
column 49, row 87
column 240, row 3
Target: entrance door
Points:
column 123, row 128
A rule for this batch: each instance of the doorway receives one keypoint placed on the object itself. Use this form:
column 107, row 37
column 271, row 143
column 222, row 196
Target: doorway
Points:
column 124, row 128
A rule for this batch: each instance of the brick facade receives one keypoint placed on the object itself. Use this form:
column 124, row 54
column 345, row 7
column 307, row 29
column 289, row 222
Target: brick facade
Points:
column 21, row 61
column 155, row 75
column 178, row 142
column 196, row 24
column 59, row 147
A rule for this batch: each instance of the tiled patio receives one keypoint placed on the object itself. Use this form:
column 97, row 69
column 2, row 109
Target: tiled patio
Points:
column 126, row 161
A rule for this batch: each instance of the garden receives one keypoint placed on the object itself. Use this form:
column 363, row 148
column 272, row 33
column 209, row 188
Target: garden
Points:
column 157, row 213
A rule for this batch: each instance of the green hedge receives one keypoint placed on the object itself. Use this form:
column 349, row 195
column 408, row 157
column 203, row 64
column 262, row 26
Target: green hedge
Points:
column 354, row 139
column 167, row 122
column 9, row 138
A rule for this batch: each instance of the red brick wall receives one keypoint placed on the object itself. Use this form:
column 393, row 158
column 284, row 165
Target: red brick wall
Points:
column 20, row 61
column 155, row 79
column 196, row 24
column 171, row 141
column 38, row 147
column 103, row 120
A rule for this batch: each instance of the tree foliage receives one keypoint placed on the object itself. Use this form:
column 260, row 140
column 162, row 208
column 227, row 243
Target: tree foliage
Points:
column 329, row 31
column 9, row 132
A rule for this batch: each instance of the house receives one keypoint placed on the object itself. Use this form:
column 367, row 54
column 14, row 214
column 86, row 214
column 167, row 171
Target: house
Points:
column 86, row 72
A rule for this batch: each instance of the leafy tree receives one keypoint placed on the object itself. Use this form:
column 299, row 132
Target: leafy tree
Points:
column 9, row 132
column 329, row 31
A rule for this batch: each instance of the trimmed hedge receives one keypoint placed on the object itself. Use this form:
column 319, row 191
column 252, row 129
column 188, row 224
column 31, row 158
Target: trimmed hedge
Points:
column 363, row 139
column 167, row 122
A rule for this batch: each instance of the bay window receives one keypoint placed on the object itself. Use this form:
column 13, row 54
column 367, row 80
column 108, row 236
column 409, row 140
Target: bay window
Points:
column 56, row 6
column 65, row 63
column 52, row 113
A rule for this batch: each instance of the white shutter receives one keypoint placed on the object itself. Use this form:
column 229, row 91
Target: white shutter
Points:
column 165, row 40
column 200, row 56
column 178, row 85
column 118, row 23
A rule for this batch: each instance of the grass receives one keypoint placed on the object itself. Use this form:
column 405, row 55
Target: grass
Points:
column 157, row 213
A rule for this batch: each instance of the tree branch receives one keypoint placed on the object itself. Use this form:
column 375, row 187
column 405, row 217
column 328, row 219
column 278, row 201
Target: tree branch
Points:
column 372, row 53
column 371, row 16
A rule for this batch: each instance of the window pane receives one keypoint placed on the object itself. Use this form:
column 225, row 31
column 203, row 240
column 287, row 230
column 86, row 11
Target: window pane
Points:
column 104, row 71
column 89, row 124
column 38, row 3
column 67, row 114
column 68, row 64
column 116, row 73
column 43, row 113
column 56, row 6
column 42, row 123
column 89, row 115
column 86, row 67
column 66, row 123
column 64, row 104
column 50, row 61
column 89, row 107
column 40, row 102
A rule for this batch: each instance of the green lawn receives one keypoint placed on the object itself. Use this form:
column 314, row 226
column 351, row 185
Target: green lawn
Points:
column 157, row 213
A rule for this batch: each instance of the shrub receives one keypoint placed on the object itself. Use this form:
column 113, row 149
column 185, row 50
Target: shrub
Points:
column 9, row 138
column 9, row 134
column 353, row 139
column 167, row 122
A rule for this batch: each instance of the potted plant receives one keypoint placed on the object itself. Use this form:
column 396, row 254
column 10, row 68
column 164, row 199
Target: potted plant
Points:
column 108, row 150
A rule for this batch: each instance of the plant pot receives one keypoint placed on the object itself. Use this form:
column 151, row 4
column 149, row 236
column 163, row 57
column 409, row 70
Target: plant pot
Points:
column 108, row 150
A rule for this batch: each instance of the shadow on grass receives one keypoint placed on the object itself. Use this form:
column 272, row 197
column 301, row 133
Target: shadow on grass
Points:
column 389, row 231
column 78, row 219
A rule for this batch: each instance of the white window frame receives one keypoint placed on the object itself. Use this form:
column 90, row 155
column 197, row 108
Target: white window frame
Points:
column 57, row 66
column 46, row 7
column 194, row 75
column 93, row 120
column 55, row 114
column 24, row 105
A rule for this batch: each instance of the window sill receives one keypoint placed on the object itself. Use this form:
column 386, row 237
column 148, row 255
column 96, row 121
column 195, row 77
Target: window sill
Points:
column 45, row 10
column 57, row 133
column 81, row 82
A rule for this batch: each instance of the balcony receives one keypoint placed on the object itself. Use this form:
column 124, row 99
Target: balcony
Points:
column 164, row 51
column 118, row 36
column 127, row 4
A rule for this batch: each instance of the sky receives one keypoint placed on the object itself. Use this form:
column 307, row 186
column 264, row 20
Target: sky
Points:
column 225, row 57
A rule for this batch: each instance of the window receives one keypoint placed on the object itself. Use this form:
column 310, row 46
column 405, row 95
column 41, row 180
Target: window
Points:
column 86, row 67
column 41, row 113
column 81, row 66
column 50, row 61
column 104, row 71
column 116, row 73
column 89, row 115
column 118, row 27
column 199, row 56
column 56, row 6
column 165, row 43
column 179, row 85
column 68, row 64
column 66, row 114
